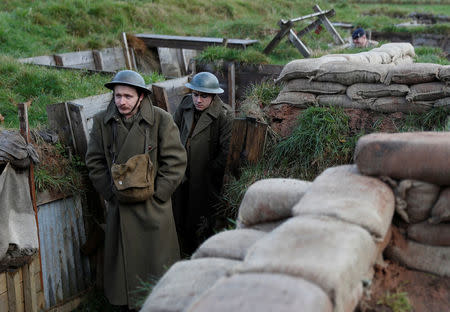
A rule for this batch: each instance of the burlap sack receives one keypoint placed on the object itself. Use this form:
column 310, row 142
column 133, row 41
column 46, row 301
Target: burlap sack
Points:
column 267, row 226
column 444, row 73
column 402, row 155
column 441, row 209
column 373, row 57
column 184, row 282
column 430, row 91
column 348, row 73
column 270, row 200
column 393, row 104
column 305, row 85
column 357, row 58
column 416, row 198
column 297, row 99
column 394, row 53
column 317, row 249
column 343, row 193
column 305, row 68
column 417, row 256
column 406, row 48
column 360, row 91
column 413, row 73
column 430, row 234
column 262, row 292
column 445, row 102
column 341, row 100
column 231, row 244
column 406, row 60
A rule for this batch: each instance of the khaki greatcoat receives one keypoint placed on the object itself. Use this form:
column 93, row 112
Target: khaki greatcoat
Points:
column 207, row 157
column 140, row 238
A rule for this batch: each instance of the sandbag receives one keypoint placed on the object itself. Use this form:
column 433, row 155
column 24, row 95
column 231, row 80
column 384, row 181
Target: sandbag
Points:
column 267, row 226
column 416, row 198
column 297, row 99
column 232, row 244
column 418, row 256
column 372, row 57
column 263, row 292
column 305, row 85
column 305, row 68
column 406, row 48
column 393, row 104
column 444, row 73
column 430, row 91
column 343, row 193
column 441, row 209
column 341, row 100
column 360, row 91
column 184, row 282
column 15, row 150
column 348, row 73
column 394, row 53
column 445, row 102
column 317, row 249
column 413, row 73
column 270, row 200
column 430, row 234
column 402, row 155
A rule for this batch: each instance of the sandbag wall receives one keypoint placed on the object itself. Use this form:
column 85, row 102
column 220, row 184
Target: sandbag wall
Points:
column 384, row 79
column 417, row 167
column 298, row 244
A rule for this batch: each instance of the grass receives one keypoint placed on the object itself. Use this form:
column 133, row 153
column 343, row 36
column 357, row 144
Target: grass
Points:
column 398, row 302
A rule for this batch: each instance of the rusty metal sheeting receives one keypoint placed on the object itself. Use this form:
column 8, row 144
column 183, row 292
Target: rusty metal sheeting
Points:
column 65, row 271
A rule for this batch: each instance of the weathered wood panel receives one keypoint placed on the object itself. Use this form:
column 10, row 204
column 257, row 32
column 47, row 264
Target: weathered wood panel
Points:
column 4, row 302
column 194, row 43
column 175, row 90
column 29, row 289
column 82, row 59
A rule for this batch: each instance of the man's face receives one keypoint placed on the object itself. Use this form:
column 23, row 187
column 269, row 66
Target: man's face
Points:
column 360, row 42
column 127, row 100
column 201, row 100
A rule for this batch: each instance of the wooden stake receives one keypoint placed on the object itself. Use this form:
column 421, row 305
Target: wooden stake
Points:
column 25, row 132
column 232, row 86
column 126, row 51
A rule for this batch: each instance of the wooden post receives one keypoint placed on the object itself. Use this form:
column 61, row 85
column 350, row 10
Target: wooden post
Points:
column 298, row 44
column 29, row 288
column 13, row 285
column 98, row 59
column 25, row 132
column 337, row 38
column 232, row 86
column 161, row 98
column 247, row 143
column 126, row 51
column 181, row 63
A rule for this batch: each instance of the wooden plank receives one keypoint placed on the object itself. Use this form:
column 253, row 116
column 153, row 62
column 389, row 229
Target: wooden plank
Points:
column 48, row 60
column 82, row 59
column 79, row 128
column 181, row 62
column 308, row 28
column 337, row 38
column 161, row 99
column 175, row 90
column 3, row 287
column 13, row 282
column 29, row 289
column 70, row 304
column 194, row 43
column 46, row 197
column 237, row 143
column 256, row 137
column 4, row 302
column 57, row 121
column 113, row 59
column 98, row 60
column 231, row 85
column 299, row 44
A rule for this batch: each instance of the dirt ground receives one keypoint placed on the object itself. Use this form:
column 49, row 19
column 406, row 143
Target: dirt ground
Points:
column 425, row 292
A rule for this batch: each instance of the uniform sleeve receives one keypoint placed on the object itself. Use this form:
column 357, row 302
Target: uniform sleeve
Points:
column 225, row 126
column 171, row 159
column 96, row 162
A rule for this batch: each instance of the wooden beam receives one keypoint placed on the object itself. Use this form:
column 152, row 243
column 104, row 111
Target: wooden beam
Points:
column 126, row 51
column 232, row 86
column 337, row 38
column 29, row 289
column 12, row 282
column 285, row 28
column 299, row 44
column 194, row 43
column 162, row 101
column 181, row 63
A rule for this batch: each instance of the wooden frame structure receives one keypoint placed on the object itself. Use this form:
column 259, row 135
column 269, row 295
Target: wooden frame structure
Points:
column 294, row 38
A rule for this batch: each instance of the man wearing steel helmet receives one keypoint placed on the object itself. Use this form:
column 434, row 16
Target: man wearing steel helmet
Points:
column 205, row 124
column 360, row 40
column 140, row 236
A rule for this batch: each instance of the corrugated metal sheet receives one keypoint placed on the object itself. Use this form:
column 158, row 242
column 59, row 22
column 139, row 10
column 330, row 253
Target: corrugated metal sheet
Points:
column 65, row 271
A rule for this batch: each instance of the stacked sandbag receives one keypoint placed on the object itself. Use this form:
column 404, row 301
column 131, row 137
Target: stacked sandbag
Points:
column 416, row 166
column 383, row 79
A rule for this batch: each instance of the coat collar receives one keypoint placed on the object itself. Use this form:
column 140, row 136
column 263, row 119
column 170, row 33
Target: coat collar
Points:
column 146, row 109
column 208, row 116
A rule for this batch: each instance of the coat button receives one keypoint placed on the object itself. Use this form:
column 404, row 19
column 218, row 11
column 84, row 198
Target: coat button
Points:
column 120, row 182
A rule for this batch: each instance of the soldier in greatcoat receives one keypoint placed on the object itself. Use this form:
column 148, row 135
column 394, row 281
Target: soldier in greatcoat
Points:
column 140, row 237
column 205, row 124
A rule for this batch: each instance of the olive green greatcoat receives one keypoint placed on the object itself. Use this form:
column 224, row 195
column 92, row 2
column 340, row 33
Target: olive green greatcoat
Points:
column 207, row 157
column 140, row 238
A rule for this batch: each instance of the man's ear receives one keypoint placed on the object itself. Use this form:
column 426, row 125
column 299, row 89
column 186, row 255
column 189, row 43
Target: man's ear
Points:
column 141, row 97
